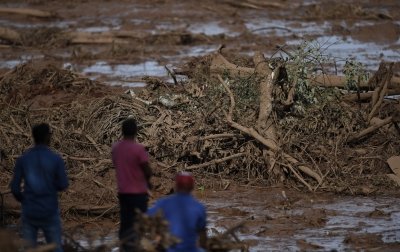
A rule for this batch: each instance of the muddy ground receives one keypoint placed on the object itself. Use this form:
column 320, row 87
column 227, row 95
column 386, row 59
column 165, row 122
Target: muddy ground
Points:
column 170, row 33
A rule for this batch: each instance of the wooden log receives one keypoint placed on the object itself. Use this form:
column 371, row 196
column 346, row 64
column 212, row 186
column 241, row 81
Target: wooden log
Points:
column 94, row 38
column 380, row 93
column 10, row 35
column 266, row 90
column 364, row 97
column 220, row 65
column 370, row 129
column 215, row 161
column 28, row 12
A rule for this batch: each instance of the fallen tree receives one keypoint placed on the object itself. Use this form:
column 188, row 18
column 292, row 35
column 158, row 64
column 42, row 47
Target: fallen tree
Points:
column 28, row 12
column 219, row 65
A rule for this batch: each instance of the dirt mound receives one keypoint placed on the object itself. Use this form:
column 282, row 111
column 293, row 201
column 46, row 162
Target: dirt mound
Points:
column 41, row 79
column 334, row 10
column 378, row 33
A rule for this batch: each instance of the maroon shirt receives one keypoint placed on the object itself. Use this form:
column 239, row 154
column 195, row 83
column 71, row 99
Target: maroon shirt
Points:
column 128, row 158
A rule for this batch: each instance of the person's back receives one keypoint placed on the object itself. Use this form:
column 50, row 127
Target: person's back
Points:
column 186, row 216
column 131, row 162
column 43, row 173
column 128, row 157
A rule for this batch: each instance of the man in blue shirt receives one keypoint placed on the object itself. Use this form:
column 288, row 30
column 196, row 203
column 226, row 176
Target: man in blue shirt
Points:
column 186, row 216
column 43, row 173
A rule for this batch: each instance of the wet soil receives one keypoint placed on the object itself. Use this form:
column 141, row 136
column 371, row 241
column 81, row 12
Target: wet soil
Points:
column 172, row 31
column 282, row 219
column 277, row 219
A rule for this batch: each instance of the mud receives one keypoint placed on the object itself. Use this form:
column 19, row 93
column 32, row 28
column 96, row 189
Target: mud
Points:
column 362, row 30
column 171, row 33
column 280, row 219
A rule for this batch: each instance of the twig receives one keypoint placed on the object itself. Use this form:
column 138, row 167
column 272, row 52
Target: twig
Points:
column 172, row 75
column 222, row 135
column 215, row 161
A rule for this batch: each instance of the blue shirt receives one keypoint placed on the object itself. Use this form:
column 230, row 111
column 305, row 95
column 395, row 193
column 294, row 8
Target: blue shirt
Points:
column 186, row 217
column 43, row 173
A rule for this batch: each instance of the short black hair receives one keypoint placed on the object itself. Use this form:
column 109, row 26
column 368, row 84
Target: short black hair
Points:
column 40, row 133
column 129, row 127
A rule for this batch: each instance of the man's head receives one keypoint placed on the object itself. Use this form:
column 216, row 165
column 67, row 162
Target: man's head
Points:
column 41, row 134
column 129, row 128
column 184, row 182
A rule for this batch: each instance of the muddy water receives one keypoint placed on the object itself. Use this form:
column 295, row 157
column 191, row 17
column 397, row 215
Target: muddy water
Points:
column 280, row 220
column 338, row 39
column 276, row 222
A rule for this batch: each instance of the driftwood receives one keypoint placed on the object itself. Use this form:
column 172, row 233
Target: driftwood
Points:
column 214, row 162
column 222, row 242
column 28, row 12
column 94, row 38
column 380, row 92
column 252, row 4
column 94, row 210
column 364, row 97
column 220, row 65
column 10, row 35
column 370, row 129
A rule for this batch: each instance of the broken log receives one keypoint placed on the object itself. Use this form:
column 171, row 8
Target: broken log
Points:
column 380, row 92
column 28, row 12
column 252, row 4
column 364, row 97
column 10, row 35
column 370, row 129
column 266, row 90
column 94, row 38
column 215, row 161
column 220, row 65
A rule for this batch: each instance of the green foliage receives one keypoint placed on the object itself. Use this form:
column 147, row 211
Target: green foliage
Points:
column 303, row 61
column 355, row 73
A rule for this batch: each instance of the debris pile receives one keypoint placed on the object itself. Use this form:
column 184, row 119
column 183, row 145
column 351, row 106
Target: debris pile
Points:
column 256, row 123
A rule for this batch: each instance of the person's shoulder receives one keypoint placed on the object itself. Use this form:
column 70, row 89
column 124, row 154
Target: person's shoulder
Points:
column 54, row 154
column 139, row 146
column 27, row 153
column 198, row 204
column 116, row 144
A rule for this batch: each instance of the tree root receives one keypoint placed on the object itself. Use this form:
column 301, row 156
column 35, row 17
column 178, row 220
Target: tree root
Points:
column 270, row 144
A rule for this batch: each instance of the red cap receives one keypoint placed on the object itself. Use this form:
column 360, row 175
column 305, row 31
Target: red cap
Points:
column 184, row 181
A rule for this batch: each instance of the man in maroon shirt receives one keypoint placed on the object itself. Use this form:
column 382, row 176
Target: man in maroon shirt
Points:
column 131, row 162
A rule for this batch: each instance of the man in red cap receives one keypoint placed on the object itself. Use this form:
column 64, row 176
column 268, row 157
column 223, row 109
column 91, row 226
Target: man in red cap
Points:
column 186, row 215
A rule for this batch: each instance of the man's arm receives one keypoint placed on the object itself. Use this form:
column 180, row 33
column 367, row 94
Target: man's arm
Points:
column 145, row 165
column 148, row 172
column 16, row 181
column 61, row 176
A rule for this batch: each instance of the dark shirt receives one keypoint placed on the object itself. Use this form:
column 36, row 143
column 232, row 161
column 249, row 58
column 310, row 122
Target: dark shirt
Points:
column 43, row 173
